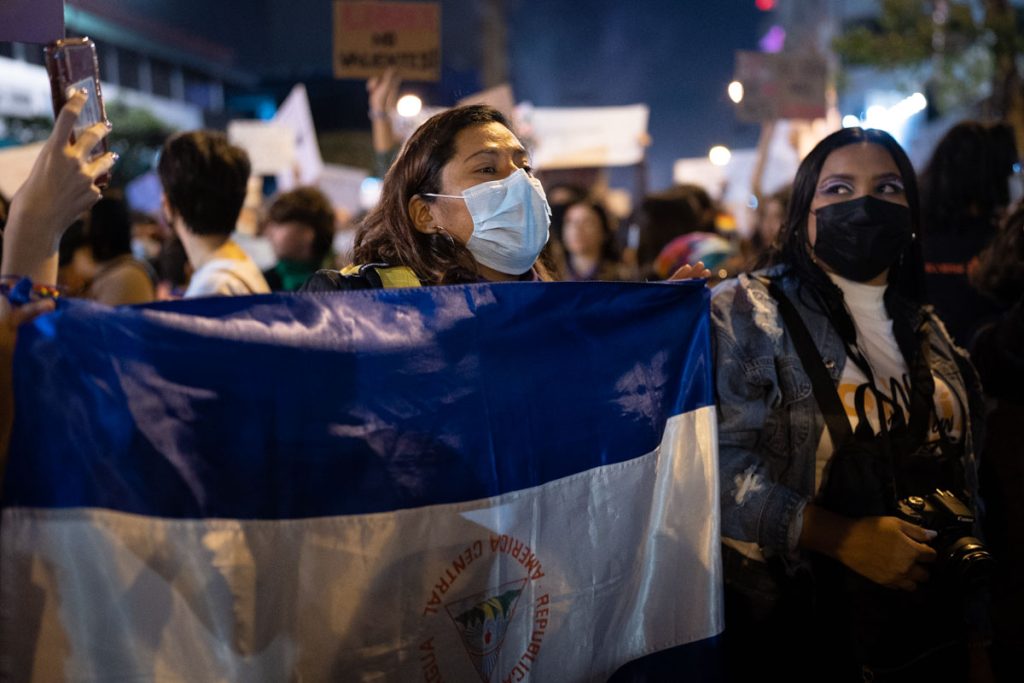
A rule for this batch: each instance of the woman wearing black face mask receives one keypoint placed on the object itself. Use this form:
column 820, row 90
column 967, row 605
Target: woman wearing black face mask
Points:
column 841, row 397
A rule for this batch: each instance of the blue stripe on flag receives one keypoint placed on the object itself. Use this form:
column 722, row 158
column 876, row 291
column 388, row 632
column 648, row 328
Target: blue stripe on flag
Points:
column 292, row 406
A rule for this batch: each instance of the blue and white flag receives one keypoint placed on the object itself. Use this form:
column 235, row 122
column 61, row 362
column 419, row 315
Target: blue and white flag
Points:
column 491, row 483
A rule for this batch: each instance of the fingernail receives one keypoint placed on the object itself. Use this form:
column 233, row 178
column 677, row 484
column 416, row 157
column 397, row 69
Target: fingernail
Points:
column 930, row 534
column 109, row 125
column 83, row 91
column 115, row 156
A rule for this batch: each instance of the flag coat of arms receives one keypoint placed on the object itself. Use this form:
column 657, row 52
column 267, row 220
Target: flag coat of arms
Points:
column 493, row 482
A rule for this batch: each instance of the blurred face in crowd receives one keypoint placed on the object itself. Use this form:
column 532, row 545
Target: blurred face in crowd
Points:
column 773, row 216
column 292, row 241
column 582, row 231
column 483, row 153
column 852, row 172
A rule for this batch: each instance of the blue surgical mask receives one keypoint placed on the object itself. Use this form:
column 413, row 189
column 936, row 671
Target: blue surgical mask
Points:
column 511, row 218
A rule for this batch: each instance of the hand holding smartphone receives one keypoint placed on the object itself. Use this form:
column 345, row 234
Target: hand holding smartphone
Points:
column 72, row 65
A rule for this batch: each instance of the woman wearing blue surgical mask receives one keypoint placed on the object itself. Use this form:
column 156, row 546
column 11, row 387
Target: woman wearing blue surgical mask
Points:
column 848, row 423
column 458, row 205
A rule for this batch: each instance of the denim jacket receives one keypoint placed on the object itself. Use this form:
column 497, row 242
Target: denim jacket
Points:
column 768, row 420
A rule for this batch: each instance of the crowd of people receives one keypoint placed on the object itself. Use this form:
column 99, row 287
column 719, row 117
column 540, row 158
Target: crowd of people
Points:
column 851, row 417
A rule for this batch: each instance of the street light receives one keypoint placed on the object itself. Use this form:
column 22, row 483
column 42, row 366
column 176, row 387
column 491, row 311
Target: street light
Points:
column 409, row 106
column 719, row 155
column 736, row 92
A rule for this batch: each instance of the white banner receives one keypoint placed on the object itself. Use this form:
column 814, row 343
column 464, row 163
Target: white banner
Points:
column 588, row 137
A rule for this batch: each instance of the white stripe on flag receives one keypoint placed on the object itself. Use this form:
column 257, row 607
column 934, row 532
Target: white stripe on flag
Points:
column 563, row 582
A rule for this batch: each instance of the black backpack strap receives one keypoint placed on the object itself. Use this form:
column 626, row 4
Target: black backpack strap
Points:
column 821, row 382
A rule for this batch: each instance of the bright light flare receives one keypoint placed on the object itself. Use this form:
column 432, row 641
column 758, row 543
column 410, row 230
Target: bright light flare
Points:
column 409, row 106
column 851, row 121
column 719, row 155
column 736, row 92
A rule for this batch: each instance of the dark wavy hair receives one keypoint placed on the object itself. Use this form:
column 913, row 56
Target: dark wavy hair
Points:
column 906, row 276
column 109, row 229
column 967, row 178
column 388, row 234
column 1000, row 272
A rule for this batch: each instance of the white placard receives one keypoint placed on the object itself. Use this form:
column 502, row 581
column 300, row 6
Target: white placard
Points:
column 15, row 165
column 588, row 137
column 342, row 185
column 271, row 146
column 294, row 114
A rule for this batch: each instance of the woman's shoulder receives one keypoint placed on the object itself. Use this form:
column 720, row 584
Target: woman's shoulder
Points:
column 336, row 281
column 748, row 292
column 368, row 276
column 744, row 312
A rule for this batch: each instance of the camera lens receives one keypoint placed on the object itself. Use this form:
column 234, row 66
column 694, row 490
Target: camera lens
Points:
column 970, row 560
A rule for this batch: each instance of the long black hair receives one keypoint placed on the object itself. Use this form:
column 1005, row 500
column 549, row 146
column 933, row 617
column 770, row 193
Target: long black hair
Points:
column 792, row 249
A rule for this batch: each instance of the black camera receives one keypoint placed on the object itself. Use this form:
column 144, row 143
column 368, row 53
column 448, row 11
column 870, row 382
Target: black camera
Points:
column 962, row 557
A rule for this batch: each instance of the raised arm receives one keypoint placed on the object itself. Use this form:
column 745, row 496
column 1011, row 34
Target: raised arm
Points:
column 60, row 187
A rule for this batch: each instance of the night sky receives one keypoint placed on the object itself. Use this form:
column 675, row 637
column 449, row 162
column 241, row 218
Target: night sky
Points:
column 675, row 55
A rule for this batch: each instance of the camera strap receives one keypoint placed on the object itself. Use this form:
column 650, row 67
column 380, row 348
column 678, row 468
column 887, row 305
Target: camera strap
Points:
column 823, row 387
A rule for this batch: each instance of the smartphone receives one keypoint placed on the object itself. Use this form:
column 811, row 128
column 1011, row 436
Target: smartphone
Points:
column 72, row 65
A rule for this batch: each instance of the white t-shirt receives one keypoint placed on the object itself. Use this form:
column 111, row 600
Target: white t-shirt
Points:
column 227, row 277
column 877, row 344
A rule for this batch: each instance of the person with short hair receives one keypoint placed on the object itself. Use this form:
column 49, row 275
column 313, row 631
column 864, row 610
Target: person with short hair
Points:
column 204, row 182
column 300, row 228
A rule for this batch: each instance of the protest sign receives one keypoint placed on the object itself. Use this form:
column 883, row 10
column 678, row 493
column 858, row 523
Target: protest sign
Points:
column 781, row 86
column 295, row 114
column 271, row 146
column 370, row 37
column 582, row 137
column 15, row 165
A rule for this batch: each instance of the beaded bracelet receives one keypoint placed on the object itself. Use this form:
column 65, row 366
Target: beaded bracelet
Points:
column 21, row 290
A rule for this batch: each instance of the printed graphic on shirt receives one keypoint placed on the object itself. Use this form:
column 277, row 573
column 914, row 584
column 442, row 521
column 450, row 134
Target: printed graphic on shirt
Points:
column 947, row 408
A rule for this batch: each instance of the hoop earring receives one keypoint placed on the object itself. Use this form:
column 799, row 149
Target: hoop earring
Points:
column 442, row 231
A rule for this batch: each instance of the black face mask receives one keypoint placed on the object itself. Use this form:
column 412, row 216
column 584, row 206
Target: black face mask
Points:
column 860, row 238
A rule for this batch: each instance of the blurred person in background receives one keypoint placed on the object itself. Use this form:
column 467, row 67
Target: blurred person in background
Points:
column 148, row 237
column 771, row 214
column 998, row 353
column 661, row 218
column 713, row 251
column 70, row 277
column 560, row 197
column 173, row 270
column 589, row 240
column 204, row 180
column 383, row 99
column 300, row 227
column 97, row 261
column 965, row 192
